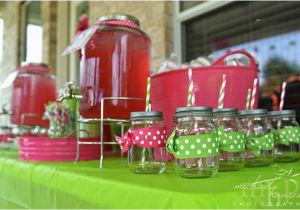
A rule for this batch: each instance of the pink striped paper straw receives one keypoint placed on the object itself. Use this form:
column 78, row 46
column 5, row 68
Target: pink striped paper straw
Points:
column 253, row 93
column 191, row 93
column 282, row 96
column 222, row 93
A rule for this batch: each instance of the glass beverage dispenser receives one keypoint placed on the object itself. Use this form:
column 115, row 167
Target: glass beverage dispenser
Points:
column 115, row 62
column 33, row 87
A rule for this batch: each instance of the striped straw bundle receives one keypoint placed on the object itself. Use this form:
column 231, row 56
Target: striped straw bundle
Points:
column 222, row 93
column 148, row 104
column 191, row 93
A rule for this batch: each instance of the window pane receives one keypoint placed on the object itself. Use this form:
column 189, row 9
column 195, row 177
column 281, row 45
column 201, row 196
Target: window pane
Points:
column 34, row 42
column 1, row 39
column 268, row 30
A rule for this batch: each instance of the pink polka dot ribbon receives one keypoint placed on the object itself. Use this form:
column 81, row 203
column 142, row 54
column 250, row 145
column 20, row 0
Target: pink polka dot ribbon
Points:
column 144, row 137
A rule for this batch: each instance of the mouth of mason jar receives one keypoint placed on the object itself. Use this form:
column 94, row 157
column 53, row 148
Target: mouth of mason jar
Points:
column 254, row 113
column 118, row 16
column 146, row 115
column 283, row 113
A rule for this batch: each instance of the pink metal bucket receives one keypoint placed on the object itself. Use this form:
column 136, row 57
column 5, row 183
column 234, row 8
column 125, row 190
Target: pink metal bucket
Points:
column 169, row 90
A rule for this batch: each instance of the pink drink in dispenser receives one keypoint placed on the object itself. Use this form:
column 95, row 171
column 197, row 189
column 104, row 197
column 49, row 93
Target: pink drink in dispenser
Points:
column 33, row 87
column 115, row 63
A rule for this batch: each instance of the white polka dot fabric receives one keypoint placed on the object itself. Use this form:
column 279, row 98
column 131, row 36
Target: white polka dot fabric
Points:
column 144, row 137
column 286, row 135
column 193, row 146
column 256, row 144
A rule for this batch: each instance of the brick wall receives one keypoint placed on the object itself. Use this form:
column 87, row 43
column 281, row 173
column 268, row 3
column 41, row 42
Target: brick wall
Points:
column 10, row 38
column 10, row 59
column 49, row 21
column 155, row 17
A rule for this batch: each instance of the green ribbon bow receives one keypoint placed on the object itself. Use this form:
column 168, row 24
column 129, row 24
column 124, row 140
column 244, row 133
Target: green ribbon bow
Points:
column 286, row 135
column 193, row 146
column 256, row 144
column 231, row 141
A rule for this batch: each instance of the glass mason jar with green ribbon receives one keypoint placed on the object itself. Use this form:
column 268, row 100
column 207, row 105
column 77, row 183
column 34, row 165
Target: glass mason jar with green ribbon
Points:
column 286, row 134
column 194, row 143
column 231, row 139
column 145, row 142
column 259, row 137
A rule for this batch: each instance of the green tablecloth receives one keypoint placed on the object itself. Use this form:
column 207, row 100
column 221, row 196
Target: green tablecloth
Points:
column 64, row 185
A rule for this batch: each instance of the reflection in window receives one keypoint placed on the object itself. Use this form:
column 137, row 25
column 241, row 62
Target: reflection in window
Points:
column 1, row 39
column 34, row 41
column 268, row 30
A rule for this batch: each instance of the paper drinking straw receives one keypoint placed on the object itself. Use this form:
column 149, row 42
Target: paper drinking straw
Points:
column 148, row 104
column 282, row 96
column 222, row 92
column 248, row 99
column 191, row 93
column 249, row 129
column 253, row 93
column 148, row 109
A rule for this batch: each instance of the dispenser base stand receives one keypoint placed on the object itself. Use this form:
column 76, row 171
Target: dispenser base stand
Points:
column 103, row 121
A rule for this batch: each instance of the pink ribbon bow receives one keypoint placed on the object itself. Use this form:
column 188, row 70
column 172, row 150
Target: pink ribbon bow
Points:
column 144, row 137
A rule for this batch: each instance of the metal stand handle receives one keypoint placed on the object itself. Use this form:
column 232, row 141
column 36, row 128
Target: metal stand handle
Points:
column 102, row 120
column 24, row 115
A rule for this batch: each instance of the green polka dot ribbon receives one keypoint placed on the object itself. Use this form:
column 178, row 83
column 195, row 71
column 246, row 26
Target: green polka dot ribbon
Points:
column 193, row 146
column 256, row 144
column 231, row 141
column 286, row 135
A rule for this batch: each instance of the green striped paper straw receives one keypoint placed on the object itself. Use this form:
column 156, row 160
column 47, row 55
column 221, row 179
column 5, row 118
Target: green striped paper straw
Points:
column 248, row 99
column 148, row 104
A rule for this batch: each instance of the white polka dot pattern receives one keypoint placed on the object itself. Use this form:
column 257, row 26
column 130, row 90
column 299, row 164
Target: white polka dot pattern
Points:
column 144, row 137
column 286, row 135
column 256, row 144
column 231, row 141
column 193, row 146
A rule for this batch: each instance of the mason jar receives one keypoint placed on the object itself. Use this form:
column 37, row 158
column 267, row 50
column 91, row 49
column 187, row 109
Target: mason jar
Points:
column 194, row 143
column 287, row 135
column 259, row 137
column 147, row 153
column 231, row 139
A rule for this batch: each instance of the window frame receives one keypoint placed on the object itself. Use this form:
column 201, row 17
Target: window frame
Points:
column 180, row 17
column 2, row 40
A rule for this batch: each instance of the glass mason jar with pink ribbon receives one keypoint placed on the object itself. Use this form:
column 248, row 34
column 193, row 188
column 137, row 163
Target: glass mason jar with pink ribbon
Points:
column 194, row 143
column 231, row 139
column 259, row 137
column 286, row 134
column 115, row 62
column 145, row 142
